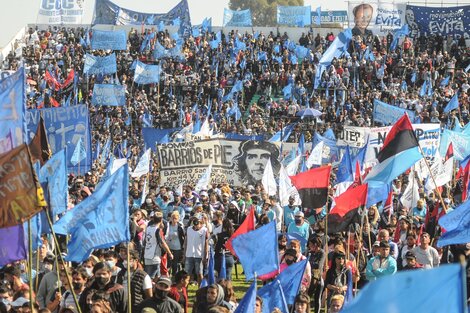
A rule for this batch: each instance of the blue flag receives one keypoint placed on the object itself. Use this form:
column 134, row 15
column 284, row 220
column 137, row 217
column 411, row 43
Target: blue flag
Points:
column 318, row 16
column 345, row 169
column 291, row 279
column 146, row 73
column 445, row 81
column 283, row 134
column 54, row 174
column 419, row 290
column 223, row 268
column 95, row 65
column 456, row 225
column 337, row 48
column 422, row 91
column 258, row 251
column 413, row 77
column 287, row 90
column 79, row 154
column 101, row 220
column 12, row 99
column 35, row 223
column 248, row 302
column 210, row 271
column 453, row 104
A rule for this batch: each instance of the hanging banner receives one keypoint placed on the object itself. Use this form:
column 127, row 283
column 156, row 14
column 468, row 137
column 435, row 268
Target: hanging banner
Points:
column 109, row 13
column 109, row 40
column 237, row 18
column 108, row 94
column 294, row 15
column 375, row 17
column 389, row 114
column 443, row 21
column 428, row 137
column 60, row 12
column 65, row 126
column 353, row 136
column 235, row 162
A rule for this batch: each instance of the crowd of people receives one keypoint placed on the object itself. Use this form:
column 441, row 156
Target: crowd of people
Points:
column 173, row 231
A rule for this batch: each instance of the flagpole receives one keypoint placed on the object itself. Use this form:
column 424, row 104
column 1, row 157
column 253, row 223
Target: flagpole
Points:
column 368, row 233
column 36, row 284
column 69, row 279
column 433, row 180
column 129, row 304
column 30, row 265
column 325, row 295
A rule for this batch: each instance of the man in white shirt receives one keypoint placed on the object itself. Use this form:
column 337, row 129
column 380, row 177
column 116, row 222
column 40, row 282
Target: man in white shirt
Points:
column 196, row 248
column 425, row 254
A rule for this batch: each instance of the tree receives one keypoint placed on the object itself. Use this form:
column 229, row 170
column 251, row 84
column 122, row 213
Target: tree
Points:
column 263, row 12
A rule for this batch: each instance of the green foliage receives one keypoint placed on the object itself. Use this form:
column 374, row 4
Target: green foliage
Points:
column 263, row 12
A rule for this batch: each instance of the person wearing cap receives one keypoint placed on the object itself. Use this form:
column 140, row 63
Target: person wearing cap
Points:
column 196, row 247
column 141, row 283
column 160, row 302
column 382, row 265
column 155, row 245
column 411, row 263
column 300, row 228
column 425, row 253
column 338, row 276
column 102, row 283
column 410, row 244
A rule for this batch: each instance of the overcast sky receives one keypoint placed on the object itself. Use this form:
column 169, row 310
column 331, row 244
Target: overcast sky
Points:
column 18, row 13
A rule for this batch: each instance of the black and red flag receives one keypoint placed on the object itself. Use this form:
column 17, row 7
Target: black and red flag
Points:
column 312, row 186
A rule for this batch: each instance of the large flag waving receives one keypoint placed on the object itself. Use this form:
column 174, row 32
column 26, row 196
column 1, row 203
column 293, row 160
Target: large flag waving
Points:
column 21, row 195
column 456, row 223
column 258, row 251
column 247, row 225
column 399, row 152
column 313, row 186
column 54, row 174
column 418, row 288
column 101, row 220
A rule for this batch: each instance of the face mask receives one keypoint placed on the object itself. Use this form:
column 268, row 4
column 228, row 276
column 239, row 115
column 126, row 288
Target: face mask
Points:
column 148, row 201
column 89, row 271
column 289, row 261
column 298, row 220
column 6, row 302
column 77, row 285
column 111, row 263
column 160, row 294
column 47, row 268
column 282, row 246
column 101, row 281
column 124, row 264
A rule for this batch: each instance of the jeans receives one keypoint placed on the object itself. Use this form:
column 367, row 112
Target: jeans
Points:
column 193, row 264
column 175, row 263
column 229, row 263
column 153, row 270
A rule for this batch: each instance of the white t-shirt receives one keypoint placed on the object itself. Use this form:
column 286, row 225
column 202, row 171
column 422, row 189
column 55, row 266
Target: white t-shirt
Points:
column 195, row 242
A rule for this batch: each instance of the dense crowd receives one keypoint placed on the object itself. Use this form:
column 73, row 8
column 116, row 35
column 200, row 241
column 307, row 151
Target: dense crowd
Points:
column 173, row 230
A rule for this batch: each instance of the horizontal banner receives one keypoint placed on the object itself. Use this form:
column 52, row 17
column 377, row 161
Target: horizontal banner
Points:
column 294, row 15
column 95, row 65
column 235, row 162
column 108, row 94
column 60, row 12
column 237, row 18
column 375, row 17
column 109, row 40
column 389, row 114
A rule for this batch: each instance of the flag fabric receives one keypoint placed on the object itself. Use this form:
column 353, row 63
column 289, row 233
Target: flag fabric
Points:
column 248, row 302
column 318, row 16
column 337, row 47
column 79, row 154
column 258, row 251
column 399, row 152
column 445, row 81
column 350, row 199
column 12, row 114
column 410, row 196
column 210, row 270
column 286, row 189
column 143, row 167
column 52, row 81
column 39, row 146
column 283, row 134
column 422, row 91
column 345, row 170
column 99, row 221
column 456, row 224
column 315, row 157
column 21, row 195
column 453, row 104
column 205, row 180
column 312, row 186
column 12, row 241
column 6, row 143
column 419, row 290
column 223, row 268
column 268, row 180
column 273, row 297
column 245, row 227
column 54, row 175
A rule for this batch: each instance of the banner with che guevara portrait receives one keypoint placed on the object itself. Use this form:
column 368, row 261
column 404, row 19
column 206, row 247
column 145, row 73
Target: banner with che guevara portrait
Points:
column 239, row 163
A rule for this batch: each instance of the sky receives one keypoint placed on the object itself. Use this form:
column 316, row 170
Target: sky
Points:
column 19, row 13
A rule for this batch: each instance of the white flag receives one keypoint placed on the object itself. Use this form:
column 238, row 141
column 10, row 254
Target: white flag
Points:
column 286, row 189
column 293, row 165
column 442, row 173
column 410, row 196
column 143, row 167
column 268, row 180
column 316, row 155
column 185, row 131
column 205, row 180
column 117, row 164
column 205, row 130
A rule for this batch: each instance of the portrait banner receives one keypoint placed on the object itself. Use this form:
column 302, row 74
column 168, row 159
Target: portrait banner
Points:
column 236, row 162
column 375, row 17
column 443, row 21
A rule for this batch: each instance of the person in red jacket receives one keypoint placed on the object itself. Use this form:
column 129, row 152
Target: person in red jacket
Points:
column 178, row 291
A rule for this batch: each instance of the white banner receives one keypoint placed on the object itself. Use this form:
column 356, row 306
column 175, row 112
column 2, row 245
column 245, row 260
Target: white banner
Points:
column 375, row 17
column 428, row 137
column 60, row 12
column 353, row 136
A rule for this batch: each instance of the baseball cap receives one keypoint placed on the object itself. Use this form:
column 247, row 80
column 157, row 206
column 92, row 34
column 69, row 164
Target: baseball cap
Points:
column 376, row 244
column 299, row 214
column 410, row 255
column 164, row 281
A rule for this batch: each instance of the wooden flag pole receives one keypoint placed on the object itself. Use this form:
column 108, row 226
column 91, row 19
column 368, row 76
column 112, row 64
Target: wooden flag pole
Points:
column 30, row 265
column 129, row 304
column 325, row 294
column 59, row 255
column 36, row 284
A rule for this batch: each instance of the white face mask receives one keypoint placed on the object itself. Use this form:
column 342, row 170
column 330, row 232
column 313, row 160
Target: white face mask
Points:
column 47, row 267
column 124, row 264
column 148, row 201
column 111, row 263
column 89, row 271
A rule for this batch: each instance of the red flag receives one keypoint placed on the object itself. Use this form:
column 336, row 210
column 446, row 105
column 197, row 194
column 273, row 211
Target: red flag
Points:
column 69, row 79
column 349, row 200
column 54, row 102
column 388, row 206
column 465, row 180
column 52, row 82
column 313, row 186
column 247, row 225
column 449, row 153
column 396, row 234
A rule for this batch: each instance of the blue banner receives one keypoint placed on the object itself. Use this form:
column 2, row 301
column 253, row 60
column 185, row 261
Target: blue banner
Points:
column 108, row 94
column 294, row 15
column 444, row 21
column 99, row 221
column 107, row 12
column 236, row 136
column 460, row 143
column 65, row 126
column 331, row 17
column 152, row 136
column 389, row 114
column 12, row 107
column 109, row 40
column 100, row 65
column 53, row 175
column 237, row 18
column 146, row 73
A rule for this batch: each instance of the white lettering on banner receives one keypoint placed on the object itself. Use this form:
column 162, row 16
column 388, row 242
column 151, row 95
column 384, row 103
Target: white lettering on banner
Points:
column 385, row 15
column 60, row 12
